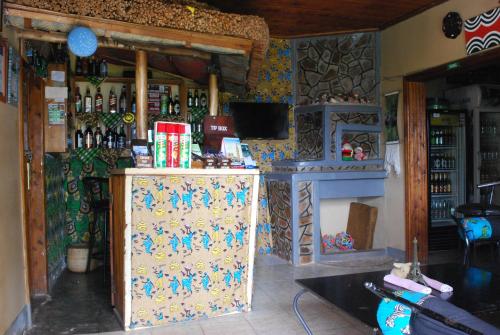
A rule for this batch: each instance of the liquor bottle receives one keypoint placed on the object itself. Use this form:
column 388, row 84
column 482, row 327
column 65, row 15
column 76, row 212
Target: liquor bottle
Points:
column 112, row 107
column 134, row 103
column 123, row 100
column 203, row 100
column 98, row 137
column 163, row 102
column 170, row 104
column 121, row 142
column 85, row 66
column 433, row 137
column 190, row 101
column 196, row 99
column 88, row 137
column 87, row 102
column 78, row 100
column 98, row 101
column 103, row 69
column 78, row 67
column 96, row 66
column 78, row 138
column 177, row 106
column 109, row 139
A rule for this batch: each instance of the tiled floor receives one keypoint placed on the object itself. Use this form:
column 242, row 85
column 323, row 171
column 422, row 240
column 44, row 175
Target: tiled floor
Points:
column 76, row 310
column 272, row 306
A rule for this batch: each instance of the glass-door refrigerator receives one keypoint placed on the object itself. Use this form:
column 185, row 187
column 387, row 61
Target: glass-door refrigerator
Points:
column 482, row 103
column 447, row 176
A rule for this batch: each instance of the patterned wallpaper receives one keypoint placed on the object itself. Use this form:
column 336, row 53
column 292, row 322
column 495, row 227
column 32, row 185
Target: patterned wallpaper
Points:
column 191, row 260
column 78, row 214
column 55, row 209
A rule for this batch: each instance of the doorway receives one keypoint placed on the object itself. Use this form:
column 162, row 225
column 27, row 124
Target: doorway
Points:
column 417, row 198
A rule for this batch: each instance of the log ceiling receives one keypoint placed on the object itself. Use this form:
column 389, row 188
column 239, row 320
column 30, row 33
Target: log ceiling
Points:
column 296, row 18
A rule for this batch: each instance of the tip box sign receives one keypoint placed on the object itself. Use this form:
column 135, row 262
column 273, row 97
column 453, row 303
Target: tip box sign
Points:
column 215, row 128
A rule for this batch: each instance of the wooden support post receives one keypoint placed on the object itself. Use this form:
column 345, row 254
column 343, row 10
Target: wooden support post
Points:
column 214, row 94
column 141, row 87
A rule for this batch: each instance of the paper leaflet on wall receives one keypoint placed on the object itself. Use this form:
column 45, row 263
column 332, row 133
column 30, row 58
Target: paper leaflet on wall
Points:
column 392, row 159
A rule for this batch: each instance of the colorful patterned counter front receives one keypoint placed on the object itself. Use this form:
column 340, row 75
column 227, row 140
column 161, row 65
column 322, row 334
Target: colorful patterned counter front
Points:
column 189, row 246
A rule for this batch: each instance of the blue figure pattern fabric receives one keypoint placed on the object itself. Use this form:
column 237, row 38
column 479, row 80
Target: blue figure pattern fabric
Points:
column 190, row 245
column 477, row 228
column 393, row 317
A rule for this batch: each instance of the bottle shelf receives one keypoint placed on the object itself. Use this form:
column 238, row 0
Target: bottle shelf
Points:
column 443, row 223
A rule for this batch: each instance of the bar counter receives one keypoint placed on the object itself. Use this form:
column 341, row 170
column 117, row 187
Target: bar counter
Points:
column 182, row 243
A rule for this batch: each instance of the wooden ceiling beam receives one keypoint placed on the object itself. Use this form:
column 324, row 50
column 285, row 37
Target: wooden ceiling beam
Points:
column 188, row 39
column 53, row 37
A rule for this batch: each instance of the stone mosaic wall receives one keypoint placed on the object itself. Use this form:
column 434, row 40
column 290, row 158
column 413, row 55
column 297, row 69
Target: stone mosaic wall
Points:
column 368, row 119
column 191, row 260
column 55, row 213
column 306, row 229
column 310, row 136
column 336, row 65
column 280, row 209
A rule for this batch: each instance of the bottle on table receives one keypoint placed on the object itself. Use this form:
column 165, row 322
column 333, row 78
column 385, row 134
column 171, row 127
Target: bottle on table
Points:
column 98, row 101
column 88, row 102
column 123, row 100
column 78, row 138
column 88, row 137
column 177, row 106
column 121, row 142
column 78, row 101
column 112, row 101
column 98, row 138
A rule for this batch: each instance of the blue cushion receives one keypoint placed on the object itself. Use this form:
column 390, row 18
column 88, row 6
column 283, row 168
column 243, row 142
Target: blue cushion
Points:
column 477, row 228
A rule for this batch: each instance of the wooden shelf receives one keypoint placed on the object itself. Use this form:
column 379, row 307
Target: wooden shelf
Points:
column 129, row 80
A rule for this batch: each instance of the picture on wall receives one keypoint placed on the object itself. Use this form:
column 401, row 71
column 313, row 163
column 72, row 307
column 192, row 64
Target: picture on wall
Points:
column 482, row 31
column 391, row 117
column 3, row 70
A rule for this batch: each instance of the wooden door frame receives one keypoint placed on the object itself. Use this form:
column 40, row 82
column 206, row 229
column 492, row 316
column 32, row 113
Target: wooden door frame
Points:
column 415, row 146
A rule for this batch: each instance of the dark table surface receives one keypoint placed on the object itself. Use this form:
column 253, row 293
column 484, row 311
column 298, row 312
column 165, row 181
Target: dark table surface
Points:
column 474, row 289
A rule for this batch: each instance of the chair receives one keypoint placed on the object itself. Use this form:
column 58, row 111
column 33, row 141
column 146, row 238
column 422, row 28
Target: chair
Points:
column 99, row 205
column 361, row 225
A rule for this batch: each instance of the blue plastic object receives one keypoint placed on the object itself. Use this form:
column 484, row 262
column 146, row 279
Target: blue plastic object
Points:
column 82, row 41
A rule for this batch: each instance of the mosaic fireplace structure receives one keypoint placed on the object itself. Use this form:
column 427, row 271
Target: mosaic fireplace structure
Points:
column 296, row 187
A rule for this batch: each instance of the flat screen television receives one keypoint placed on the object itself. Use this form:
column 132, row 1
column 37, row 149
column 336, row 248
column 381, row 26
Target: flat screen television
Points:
column 260, row 120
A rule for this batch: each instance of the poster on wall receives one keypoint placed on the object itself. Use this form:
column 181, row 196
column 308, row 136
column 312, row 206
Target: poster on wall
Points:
column 483, row 31
column 391, row 117
column 13, row 77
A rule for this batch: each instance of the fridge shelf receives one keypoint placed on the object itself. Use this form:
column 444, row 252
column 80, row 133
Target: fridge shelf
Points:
column 443, row 195
column 443, row 147
column 443, row 170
